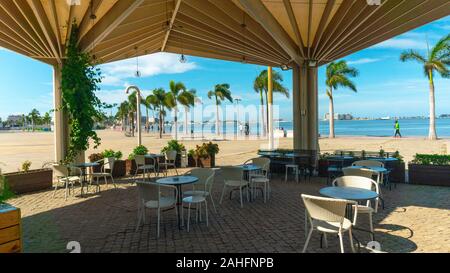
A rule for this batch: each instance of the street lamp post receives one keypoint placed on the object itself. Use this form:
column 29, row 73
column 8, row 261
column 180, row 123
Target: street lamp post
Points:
column 138, row 110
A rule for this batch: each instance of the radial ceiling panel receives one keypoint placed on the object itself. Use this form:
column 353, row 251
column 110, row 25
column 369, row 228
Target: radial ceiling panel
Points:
column 267, row 32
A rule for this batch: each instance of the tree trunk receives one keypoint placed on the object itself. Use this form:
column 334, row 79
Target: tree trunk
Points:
column 147, row 123
column 132, row 124
column 175, row 109
column 186, row 112
column 160, row 124
column 331, row 116
column 217, row 120
column 432, row 130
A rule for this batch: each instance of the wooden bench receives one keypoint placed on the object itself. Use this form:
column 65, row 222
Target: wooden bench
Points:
column 10, row 229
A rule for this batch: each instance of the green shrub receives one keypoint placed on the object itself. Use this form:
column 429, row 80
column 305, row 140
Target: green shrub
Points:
column 398, row 156
column 26, row 166
column 435, row 159
column 5, row 191
column 111, row 153
column 139, row 150
column 174, row 145
column 206, row 150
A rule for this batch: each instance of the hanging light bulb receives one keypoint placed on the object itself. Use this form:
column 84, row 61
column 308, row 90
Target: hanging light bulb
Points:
column 183, row 59
column 137, row 73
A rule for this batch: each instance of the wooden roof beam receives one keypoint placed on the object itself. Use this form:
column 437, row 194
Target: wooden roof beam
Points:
column 257, row 10
column 172, row 21
column 116, row 15
column 294, row 25
column 322, row 25
column 41, row 17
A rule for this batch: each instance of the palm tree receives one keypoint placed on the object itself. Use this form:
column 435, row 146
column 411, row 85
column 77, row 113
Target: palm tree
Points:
column 47, row 119
column 337, row 75
column 34, row 116
column 220, row 93
column 261, row 85
column 175, row 96
column 187, row 99
column 437, row 59
column 123, row 113
column 147, row 107
column 159, row 99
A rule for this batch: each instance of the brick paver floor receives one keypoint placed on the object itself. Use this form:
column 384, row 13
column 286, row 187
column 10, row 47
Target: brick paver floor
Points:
column 415, row 219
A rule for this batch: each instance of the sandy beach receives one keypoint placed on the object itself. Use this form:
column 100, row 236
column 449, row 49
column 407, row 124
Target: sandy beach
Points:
column 16, row 147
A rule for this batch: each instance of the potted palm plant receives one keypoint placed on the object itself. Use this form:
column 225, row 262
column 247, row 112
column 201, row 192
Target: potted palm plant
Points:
column 205, row 155
column 27, row 180
column 130, row 163
column 174, row 145
column 119, row 165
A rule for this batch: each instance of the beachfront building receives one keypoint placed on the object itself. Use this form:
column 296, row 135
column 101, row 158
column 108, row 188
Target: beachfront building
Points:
column 300, row 36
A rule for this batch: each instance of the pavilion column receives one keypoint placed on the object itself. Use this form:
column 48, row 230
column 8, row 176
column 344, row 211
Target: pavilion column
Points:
column 305, row 107
column 60, row 126
column 270, row 107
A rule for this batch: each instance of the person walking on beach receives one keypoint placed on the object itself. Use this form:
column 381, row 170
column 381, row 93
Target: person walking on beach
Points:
column 397, row 129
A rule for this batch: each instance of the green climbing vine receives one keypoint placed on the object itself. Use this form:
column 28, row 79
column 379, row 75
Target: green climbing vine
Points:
column 80, row 80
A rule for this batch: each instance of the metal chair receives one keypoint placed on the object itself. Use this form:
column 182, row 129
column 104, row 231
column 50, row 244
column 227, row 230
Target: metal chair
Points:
column 66, row 175
column 142, row 166
column 234, row 177
column 106, row 172
column 171, row 157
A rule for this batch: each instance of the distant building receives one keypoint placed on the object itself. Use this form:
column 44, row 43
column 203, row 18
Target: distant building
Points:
column 338, row 116
column 15, row 119
column 444, row 116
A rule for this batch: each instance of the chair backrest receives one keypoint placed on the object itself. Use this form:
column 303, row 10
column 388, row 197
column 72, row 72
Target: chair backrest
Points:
column 139, row 159
column 325, row 209
column 368, row 163
column 205, row 177
column 148, row 191
column 358, row 172
column 171, row 155
column 262, row 162
column 232, row 173
column 64, row 170
column 108, row 163
column 356, row 182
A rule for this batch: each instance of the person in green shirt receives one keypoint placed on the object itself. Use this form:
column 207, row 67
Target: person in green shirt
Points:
column 397, row 129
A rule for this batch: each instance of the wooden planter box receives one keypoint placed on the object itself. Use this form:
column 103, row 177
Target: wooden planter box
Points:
column 429, row 175
column 10, row 229
column 209, row 162
column 322, row 167
column 130, row 166
column 31, row 181
column 120, row 168
column 191, row 161
column 397, row 174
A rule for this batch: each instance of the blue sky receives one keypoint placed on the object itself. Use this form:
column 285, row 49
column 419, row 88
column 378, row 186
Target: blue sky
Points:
column 386, row 86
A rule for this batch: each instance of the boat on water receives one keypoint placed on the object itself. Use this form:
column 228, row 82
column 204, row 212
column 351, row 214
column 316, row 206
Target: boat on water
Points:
column 385, row 118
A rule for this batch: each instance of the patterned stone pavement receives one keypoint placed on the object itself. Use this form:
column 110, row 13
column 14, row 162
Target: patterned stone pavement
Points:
column 415, row 219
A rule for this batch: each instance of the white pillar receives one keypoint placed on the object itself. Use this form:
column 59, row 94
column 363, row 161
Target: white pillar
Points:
column 305, row 106
column 59, row 120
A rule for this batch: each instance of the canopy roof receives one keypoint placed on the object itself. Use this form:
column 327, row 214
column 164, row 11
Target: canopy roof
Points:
column 267, row 32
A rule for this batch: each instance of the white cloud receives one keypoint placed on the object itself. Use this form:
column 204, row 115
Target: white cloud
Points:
column 403, row 43
column 150, row 65
column 363, row 61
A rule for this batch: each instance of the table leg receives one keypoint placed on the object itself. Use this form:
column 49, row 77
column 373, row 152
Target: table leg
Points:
column 179, row 206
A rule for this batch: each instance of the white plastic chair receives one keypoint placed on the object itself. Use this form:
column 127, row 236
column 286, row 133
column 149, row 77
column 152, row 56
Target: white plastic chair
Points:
column 263, row 177
column 368, row 163
column 106, row 172
column 203, row 187
column 327, row 215
column 362, row 183
column 368, row 173
column 142, row 166
column 234, row 177
column 171, row 157
column 66, row 175
column 151, row 196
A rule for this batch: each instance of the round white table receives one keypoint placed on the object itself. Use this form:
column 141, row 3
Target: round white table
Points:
column 178, row 182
